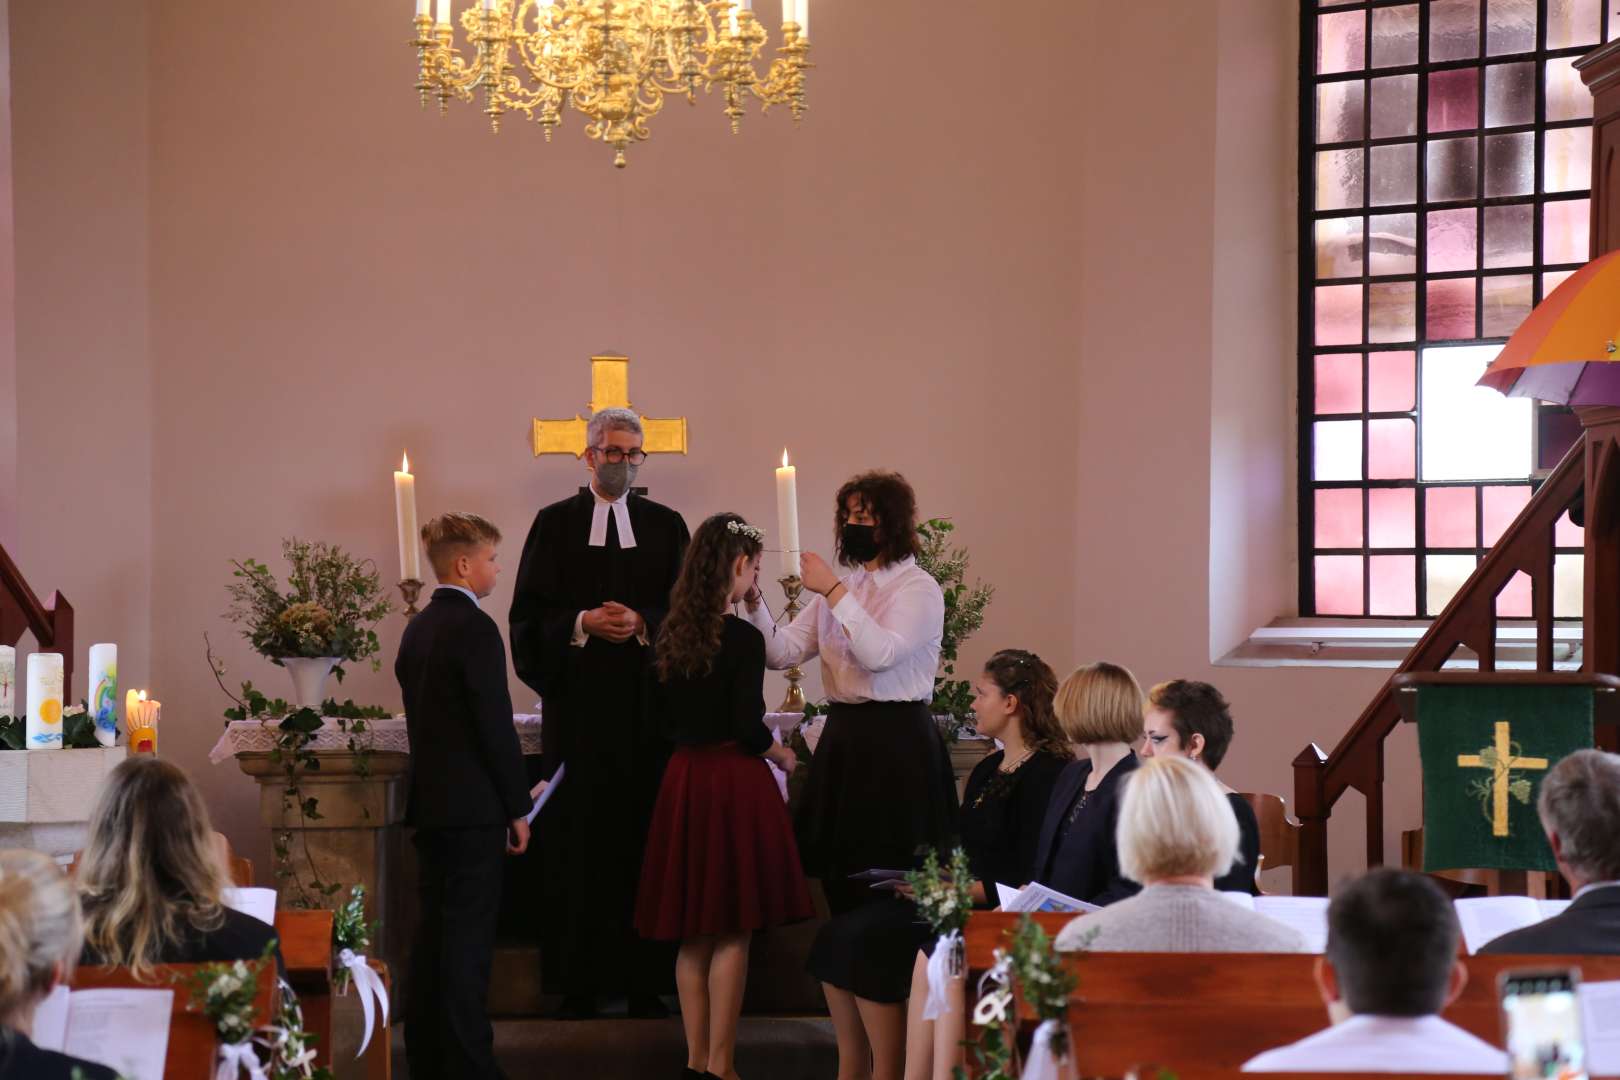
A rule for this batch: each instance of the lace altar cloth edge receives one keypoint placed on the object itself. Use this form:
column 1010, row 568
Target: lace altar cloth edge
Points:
column 381, row 737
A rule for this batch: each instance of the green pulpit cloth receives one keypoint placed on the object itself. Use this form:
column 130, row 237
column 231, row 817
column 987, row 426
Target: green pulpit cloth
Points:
column 1485, row 750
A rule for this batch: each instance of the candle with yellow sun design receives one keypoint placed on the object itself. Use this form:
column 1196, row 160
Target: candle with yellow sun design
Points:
column 44, row 725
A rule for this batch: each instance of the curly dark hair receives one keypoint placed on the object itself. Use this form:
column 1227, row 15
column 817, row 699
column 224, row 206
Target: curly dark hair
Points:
column 1024, row 675
column 1196, row 708
column 888, row 498
column 695, row 627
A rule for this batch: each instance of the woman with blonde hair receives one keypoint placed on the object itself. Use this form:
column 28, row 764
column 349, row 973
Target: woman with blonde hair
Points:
column 1176, row 834
column 150, row 877
column 1100, row 709
column 40, row 933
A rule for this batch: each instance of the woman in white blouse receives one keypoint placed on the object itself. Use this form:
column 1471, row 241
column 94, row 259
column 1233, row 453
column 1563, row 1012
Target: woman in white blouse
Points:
column 880, row 787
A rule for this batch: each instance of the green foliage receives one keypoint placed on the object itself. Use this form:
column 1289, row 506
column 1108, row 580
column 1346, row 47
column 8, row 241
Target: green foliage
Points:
column 331, row 607
column 944, row 900
column 78, row 730
column 13, row 731
column 350, row 930
column 964, row 615
column 225, row 994
column 1042, row 979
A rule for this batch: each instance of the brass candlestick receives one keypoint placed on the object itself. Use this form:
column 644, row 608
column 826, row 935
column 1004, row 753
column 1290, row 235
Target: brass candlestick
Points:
column 793, row 585
column 410, row 589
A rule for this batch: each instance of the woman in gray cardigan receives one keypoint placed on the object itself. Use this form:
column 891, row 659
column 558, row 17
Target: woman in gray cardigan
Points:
column 1176, row 834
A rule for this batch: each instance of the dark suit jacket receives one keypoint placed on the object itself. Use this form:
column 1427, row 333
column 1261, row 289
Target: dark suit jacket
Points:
column 466, row 766
column 1084, row 863
column 20, row 1059
column 1590, row 926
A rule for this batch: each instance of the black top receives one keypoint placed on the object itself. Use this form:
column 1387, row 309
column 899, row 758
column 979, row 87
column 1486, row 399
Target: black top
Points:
column 1001, row 817
column 466, row 767
column 1590, row 926
column 239, row 937
column 1241, row 877
column 20, row 1059
column 727, row 704
column 1076, row 854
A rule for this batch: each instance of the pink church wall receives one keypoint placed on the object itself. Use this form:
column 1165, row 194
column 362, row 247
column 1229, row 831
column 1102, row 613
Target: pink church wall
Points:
column 289, row 273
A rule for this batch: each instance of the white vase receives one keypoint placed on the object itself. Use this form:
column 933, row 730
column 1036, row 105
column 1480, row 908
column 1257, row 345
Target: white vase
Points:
column 309, row 676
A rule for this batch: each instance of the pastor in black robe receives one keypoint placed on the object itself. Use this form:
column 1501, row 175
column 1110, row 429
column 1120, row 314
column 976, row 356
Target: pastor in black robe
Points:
column 589, row 839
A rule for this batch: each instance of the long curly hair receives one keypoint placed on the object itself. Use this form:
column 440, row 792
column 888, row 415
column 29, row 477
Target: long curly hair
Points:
column 695, row 626
column 1021, row 672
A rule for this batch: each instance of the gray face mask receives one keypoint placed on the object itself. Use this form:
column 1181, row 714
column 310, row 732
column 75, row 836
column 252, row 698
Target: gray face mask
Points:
column 613, row 479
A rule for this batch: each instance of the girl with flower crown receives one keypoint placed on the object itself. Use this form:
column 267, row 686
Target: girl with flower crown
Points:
column 721, row 861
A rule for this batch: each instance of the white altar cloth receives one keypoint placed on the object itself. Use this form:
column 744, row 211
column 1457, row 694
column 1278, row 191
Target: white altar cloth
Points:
column 380, row 737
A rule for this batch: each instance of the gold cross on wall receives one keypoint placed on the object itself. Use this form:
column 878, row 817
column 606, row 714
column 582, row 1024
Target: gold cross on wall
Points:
column 1502, row 759
column 610, row 389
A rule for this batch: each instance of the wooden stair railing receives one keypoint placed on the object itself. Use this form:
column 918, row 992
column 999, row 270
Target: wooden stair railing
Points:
column 1320, row 780
column 52, row 622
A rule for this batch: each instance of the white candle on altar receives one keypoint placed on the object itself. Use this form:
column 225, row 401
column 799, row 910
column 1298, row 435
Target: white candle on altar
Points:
column 8, row 681
column 442, row 17
column 103, row 699
column 787, row 515
column 801, row 9
column 410, row 550
column 421, row 8
column 43, row 727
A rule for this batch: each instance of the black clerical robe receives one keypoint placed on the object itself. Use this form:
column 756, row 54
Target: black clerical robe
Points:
column 589, row 839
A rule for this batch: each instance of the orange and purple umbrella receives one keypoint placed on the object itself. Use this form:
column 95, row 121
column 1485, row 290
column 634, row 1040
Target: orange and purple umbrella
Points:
column 1566, row 351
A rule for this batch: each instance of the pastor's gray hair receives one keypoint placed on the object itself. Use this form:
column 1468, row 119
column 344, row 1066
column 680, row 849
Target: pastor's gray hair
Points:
column 607, row 420
column 1580, row 801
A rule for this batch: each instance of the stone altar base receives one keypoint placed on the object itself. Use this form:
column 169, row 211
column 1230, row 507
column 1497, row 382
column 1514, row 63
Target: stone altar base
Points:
column 46, row 796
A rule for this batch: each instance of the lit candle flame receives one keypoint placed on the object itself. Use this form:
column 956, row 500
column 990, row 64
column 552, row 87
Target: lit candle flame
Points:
column 404, row 462
column 140, row 695
column 784, row 457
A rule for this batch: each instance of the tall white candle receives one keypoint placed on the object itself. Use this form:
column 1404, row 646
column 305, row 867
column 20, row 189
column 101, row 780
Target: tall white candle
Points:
column 410, row 548
column 801, row 10
column 787, row 515
column 8, row 681
column 789, row 10
column 442, row 15
column 421, row 8
column 43, row 727
column 103, row 699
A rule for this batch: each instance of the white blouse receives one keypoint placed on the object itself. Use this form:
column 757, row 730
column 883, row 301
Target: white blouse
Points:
column 879, row 643
column 1392, row 1044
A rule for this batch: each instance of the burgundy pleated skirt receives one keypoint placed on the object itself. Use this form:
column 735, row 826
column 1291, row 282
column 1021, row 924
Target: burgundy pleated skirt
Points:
column 721, row 858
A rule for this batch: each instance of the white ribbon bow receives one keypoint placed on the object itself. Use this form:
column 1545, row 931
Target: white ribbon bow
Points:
column 366, row 984
column 1043, row 1062
column 995, row 992
column 939, row 975
column 234, row 1057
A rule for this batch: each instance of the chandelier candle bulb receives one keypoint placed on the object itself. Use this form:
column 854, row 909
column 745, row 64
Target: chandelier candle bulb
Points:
column 801, row 11
column 787, row 515
column 790, row 11
column 421, row 8
column 410, row 550
column 442, row 17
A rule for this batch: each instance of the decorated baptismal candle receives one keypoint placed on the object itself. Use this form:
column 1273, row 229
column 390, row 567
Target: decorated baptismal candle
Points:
column 141, row 718
column 8, row 681
column 43, row 727
column 104, row 692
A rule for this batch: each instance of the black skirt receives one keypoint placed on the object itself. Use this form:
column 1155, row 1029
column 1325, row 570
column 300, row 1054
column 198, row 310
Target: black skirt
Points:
column 870, row 951
column 880, row 793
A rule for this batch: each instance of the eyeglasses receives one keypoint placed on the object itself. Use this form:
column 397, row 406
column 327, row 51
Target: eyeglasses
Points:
column 613, row 455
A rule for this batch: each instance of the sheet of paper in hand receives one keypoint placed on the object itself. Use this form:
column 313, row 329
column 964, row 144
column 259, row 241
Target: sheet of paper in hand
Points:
column 1485, row 751
column 551, row 789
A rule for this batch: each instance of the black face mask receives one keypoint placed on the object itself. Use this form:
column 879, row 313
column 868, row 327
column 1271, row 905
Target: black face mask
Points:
column 859, row 542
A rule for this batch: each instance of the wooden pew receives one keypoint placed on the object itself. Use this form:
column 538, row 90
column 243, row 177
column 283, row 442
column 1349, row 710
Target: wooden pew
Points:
column 1207, row 1011
column 193, row 1045
column 306, row 946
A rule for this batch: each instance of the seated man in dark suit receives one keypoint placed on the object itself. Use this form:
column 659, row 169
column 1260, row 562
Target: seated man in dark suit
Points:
column 1580, row 810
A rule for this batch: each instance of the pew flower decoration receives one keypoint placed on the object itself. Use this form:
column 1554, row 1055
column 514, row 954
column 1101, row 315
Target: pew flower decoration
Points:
column 995, row 1015
column 944, row 901
column 280, row 1050
column 1045, row 985
column 351, row 936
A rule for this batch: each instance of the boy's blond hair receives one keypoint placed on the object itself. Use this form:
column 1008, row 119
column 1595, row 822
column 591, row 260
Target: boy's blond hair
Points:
column 1099, row 703
column 450, row 536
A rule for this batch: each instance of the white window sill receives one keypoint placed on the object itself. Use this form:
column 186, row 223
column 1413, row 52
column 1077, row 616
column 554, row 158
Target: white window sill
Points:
column 1384, row 643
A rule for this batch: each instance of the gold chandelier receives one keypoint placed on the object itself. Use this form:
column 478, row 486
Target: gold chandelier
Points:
column 615, row 61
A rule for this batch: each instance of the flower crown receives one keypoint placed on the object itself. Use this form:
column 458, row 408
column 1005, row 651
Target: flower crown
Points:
column 753, row 532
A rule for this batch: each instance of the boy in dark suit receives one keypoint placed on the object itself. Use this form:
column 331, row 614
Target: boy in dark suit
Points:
column 467, row 798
